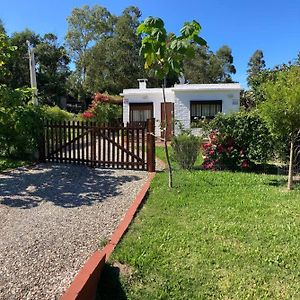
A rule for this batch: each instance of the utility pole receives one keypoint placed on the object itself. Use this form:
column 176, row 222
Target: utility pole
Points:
column 32, row 73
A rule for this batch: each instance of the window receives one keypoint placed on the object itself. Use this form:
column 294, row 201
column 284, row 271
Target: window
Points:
column 140, row 112
column 205, row 109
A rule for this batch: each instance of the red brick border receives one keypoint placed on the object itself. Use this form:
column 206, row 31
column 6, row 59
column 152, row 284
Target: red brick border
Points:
column 84, row 286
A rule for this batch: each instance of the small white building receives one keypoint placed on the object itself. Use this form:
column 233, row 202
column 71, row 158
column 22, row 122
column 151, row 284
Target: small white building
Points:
column 186, row 103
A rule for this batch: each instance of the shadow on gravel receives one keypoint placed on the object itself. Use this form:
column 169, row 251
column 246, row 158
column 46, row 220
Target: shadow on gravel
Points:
column 63, row 185
column 110, row 287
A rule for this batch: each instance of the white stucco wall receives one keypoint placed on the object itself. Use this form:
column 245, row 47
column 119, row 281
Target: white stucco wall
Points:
column 182, row 99
column 182, row 95
column 146, row 96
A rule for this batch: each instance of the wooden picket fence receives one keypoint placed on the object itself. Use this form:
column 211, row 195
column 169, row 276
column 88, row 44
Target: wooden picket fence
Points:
column 129, row 146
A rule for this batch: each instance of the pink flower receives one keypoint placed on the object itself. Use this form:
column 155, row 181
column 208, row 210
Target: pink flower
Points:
column 244, row 164
column 88, row 115
column 98, row 97
column 206, row 145
column 221, row 148
column 212, row 152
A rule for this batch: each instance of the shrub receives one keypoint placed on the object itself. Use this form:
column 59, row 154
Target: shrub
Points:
column 56, row 114
column 249, row 132
column 186, row 148
column 103, row 112
column 20, row 130
column 222, row 152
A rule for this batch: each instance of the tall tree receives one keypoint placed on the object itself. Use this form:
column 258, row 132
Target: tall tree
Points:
column 86, row 26
column 18, row 65
column 225, row 58
column 2, row 29
column 52, row 69
column 51, row 65
column 209, row 67
column 114, row 62
column 256, row 65
column 165, row 53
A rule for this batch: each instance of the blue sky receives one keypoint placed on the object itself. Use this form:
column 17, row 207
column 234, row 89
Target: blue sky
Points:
column 270, row 25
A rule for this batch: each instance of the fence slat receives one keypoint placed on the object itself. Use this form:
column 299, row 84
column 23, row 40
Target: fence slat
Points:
column 122, row 144
column 113, row 148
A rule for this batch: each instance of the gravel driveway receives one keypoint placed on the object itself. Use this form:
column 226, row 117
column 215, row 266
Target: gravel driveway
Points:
column 52, row 218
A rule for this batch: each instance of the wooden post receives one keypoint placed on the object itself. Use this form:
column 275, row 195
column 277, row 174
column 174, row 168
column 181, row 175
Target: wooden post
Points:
column 94, row 143
column 150, row 145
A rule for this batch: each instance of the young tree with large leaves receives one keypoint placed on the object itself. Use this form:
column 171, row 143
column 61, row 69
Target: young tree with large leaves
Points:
column 281, row 109
column 165, row 54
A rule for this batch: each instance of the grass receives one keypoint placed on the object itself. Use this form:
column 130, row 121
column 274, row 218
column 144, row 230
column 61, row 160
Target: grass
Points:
column 215, row 235
column 8, row 163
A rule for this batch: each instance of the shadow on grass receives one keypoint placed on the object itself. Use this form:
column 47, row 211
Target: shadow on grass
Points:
column 269, row 169
column 110, row 287
column 281, row 182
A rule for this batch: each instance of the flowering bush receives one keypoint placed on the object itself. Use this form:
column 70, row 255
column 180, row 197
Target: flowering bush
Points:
column 101, row 111
column 249, row 132
column 222, row 152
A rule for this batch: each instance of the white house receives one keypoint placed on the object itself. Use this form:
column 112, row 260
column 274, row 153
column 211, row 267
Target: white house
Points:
column 185, row 103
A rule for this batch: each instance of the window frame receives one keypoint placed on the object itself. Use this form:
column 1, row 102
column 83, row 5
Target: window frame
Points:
column 140, row 106
column 220, row 102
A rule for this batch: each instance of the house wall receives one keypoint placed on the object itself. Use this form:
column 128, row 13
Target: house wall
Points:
column 182, row 99
column 148, row 97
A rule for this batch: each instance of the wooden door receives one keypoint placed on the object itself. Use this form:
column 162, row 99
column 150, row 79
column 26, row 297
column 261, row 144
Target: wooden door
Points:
column 140, row 113
column 169, row 106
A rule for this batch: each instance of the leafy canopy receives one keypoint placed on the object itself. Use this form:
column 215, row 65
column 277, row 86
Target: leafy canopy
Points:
column 163, row 52
column 281, row 107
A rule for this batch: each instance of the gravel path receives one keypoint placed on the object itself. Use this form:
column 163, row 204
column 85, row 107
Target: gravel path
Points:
column 52, row 218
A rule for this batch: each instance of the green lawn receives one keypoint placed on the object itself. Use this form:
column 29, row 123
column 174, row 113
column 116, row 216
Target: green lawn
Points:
column 215, row 235
column 7, row 163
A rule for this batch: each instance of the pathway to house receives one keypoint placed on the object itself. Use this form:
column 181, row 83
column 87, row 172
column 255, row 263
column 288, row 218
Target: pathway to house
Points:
column 52, row 218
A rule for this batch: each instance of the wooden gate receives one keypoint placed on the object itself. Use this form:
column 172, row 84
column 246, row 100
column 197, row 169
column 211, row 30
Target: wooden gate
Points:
column 120, row 147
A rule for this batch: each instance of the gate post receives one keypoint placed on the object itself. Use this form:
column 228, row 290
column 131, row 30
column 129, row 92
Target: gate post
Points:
column 150, row 145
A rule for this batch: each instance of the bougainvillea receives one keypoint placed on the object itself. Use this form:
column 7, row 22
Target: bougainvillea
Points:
column 102, row 111
column 222, row 152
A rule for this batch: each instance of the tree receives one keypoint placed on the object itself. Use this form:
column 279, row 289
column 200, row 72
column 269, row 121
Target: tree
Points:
column 86, row 26
column 51, row 65
column 209, row 67
column 52, row 69
column 114, row 62
column 281, row 109
column 165, row 53
column 6, row 51
column 2, row 29
column 18, row 65
column 225, row 58
column 256, row 65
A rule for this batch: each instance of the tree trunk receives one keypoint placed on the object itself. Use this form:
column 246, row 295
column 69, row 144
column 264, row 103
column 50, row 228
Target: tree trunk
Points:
column 290, row 176
column 165, row 134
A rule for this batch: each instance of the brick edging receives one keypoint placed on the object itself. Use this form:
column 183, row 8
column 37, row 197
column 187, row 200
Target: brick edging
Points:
column 84, row 286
